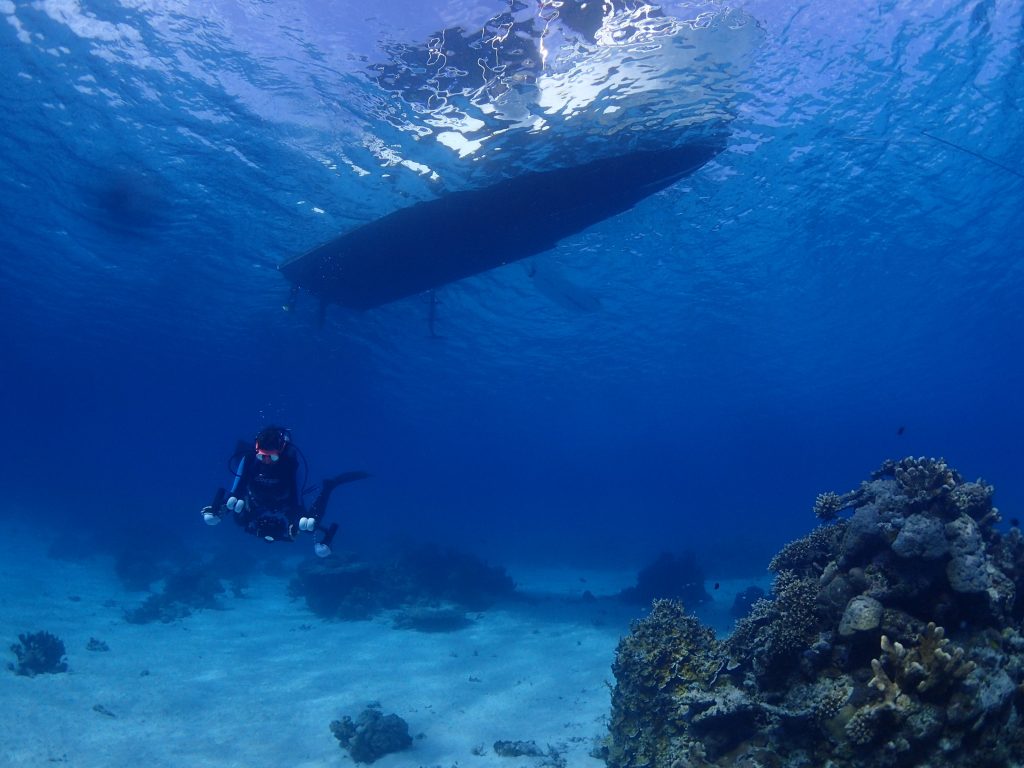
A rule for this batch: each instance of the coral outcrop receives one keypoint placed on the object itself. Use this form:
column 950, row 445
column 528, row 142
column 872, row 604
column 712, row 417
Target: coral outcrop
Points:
column 893, row 638
column 39, row 653
column 372, row 735
column 192, row 587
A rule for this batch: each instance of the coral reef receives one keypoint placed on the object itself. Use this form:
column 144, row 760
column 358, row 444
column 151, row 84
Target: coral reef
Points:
column 191, row 587
column 38, row 653
column 893, row 638
column 342, row 588
column 454, row 577
column 663, row 655
column 372, row 735
column 670, row 576
column 771, row 638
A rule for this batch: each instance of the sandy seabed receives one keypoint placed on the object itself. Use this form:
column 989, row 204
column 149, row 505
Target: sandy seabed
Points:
column 258, row 683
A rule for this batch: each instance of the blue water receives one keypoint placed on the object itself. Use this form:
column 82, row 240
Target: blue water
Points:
column 842, row 285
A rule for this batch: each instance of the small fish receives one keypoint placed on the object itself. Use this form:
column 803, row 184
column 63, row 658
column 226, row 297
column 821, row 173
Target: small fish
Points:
column 901, row 430
column 717, row 585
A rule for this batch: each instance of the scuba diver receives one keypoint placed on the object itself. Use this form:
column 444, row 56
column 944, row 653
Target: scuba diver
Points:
column 266, row 498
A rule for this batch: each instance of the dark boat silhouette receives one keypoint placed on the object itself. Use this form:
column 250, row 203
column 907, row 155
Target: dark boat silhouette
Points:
column 430, row 244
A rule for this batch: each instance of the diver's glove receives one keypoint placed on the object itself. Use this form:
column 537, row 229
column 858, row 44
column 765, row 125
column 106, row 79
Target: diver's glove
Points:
column 321, row 550
column 307, row 524
column 210, row 517
column 236, row 505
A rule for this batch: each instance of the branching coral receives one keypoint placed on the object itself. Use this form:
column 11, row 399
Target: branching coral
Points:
column 975, row 499
column 39, row 653
column 905, row 680
column 828, row 505
column 920, row 473
column 924, row 482
column 810, row 555
column 927, row 670
column 777, row 631
column 891, row 693
column 831, row 698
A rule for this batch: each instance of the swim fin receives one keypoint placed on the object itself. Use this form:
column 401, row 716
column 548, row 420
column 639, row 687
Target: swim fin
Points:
column 345, row 477
column 329, row 535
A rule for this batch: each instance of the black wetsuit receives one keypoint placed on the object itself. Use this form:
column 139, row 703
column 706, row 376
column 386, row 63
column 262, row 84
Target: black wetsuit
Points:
column 273, row 499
